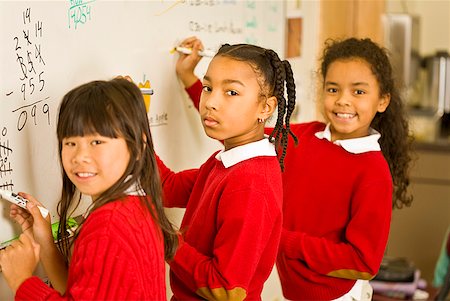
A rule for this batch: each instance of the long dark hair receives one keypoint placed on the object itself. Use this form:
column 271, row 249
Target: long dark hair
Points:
column 273, row 75
column 396, row 140
column 113, row 109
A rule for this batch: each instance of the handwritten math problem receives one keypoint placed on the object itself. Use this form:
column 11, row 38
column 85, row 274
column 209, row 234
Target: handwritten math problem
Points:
column 50, row 47
column 6, row 181
column 30, row 61
column 28, row 55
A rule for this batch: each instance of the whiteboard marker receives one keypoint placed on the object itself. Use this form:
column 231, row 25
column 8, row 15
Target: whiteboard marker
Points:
column 19, row 201
column 146, row 91
column 206, row 52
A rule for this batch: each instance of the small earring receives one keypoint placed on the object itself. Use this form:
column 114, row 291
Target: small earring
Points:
column 261, row 120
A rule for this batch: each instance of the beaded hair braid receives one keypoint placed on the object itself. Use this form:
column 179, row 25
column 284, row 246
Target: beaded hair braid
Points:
column 273, row 75
column 281, row 131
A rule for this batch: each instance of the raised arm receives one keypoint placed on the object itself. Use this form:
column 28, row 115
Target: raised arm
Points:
column 177, row 187
column 187, row 62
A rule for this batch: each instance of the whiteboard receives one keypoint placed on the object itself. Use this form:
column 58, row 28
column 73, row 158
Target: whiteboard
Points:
column 49, row 47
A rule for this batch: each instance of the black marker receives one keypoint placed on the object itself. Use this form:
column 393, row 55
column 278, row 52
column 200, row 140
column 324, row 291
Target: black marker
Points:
column 19, row 201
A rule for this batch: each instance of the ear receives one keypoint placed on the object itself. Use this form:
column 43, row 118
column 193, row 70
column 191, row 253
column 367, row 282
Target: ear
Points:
column 384, row 102
column 269, row 107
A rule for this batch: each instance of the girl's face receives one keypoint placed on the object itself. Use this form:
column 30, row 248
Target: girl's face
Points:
column 351, row 98
column 230, row 103
column 93, row 162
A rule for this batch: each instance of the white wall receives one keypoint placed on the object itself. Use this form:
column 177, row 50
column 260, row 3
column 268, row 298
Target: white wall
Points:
column 81, row 41
column 305, row 67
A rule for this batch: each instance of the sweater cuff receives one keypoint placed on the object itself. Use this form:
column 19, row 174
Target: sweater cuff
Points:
column 194, row 92
column 183, row 264
column 180, row 244
column 33, row 289
column 290, row 244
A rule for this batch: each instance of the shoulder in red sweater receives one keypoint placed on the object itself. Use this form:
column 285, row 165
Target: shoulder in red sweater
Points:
column 231, row 228
column 118, row 255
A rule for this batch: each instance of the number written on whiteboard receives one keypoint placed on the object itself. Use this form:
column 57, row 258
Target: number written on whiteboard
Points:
column 33, row 110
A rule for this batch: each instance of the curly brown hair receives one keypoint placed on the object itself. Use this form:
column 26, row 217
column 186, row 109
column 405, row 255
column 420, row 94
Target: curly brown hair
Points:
column 396, row 140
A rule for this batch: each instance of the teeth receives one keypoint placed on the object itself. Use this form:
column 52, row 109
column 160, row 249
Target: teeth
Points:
column 85, row 174
column 345, row 115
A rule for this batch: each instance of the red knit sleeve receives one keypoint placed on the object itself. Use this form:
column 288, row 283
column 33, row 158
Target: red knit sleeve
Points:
column 359, row 254
column 109, row 260
column 95, row 276
column 195, row 92
column 34, row 289
column 177, row 187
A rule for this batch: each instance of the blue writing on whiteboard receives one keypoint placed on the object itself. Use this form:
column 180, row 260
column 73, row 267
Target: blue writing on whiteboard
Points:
column 79, row 12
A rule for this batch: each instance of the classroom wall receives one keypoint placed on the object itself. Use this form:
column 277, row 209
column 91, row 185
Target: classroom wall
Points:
column 305, row 66
column 49, row 47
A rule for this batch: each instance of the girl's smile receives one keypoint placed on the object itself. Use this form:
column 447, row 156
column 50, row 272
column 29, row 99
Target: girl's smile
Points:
column 94, row 163
column 351, row 99
column 345, row 115
column 84, row 174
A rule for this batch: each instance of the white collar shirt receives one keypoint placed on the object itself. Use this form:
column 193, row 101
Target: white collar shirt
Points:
column 355, row 145
column 244, row 152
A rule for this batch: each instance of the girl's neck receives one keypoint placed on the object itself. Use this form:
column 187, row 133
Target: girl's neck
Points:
column 250, row 137
column 229, row 144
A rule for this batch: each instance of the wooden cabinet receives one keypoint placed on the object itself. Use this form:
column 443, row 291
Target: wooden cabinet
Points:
column 346, row 18
column 417, row 232
column 340, row 19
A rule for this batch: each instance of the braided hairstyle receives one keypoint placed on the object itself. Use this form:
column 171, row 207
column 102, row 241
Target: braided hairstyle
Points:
column 273, row 75
column 396, row 140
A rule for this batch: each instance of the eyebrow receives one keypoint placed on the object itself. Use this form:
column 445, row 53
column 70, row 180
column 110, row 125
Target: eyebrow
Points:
column 353, row 84
column 226, row 81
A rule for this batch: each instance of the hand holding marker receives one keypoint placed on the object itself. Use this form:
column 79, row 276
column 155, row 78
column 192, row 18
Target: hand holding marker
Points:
column 20, row 201
column 206, row 52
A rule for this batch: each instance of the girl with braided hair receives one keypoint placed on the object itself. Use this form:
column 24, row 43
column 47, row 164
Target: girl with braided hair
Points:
column 342, row 181
column 232, row 224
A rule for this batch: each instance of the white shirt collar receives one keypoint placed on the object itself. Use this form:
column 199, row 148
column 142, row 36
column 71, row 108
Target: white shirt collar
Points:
column 135, row 188
column 355, row 145
column 240, row 153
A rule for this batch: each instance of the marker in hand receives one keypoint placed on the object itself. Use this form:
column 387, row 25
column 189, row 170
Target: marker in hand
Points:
column 146, row 91
column 19, row 201
column 206, row 52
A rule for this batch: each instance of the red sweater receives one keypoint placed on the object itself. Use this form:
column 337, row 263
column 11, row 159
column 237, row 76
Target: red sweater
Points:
column 337, row 210
column 231, row 227
column 336, row 215
column 118, row 255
